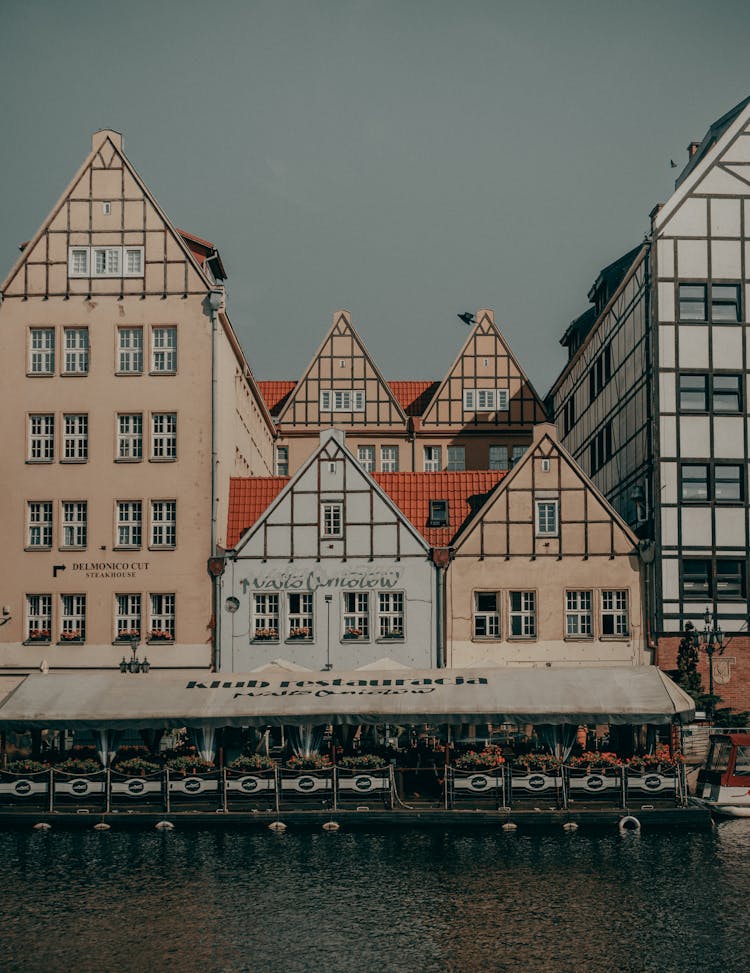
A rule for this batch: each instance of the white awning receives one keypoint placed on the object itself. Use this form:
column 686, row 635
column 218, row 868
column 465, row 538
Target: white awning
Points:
column 493, row 695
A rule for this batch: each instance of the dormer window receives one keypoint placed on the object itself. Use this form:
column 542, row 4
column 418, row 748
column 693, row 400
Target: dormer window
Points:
column 342, row 400
column 438, row 514
column 485, row 400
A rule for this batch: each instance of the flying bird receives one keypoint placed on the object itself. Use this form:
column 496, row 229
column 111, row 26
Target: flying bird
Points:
column 672, row 164
column 467, row 318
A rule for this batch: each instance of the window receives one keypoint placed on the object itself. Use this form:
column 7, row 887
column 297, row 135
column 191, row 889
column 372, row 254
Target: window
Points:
column 41, row 438
column 300, row 608
column 130, row 436
column 38, row 618
column 73, row 618
column 600, row 449
column 39, row 527
column 134, row 261
column 76, row 341
column 578, row 614
column 498, row 457
column 389, row 459
column 485, row 400
column 717, row 579
column 600, row 374
column 694, row 481
column 163, row 523
column 456, row 457
column 725, row 303
column 129, row 523
column 439, row 514
column 692, row 302
column 164, row 350
column 266, row 617
column 727, row 393
column 42, row 351
column 720, row 392
column 331, row 518
column 74, row 523
column 164, row 435
column 342, row 400
column 569, row 415
column 75, row 438
column 366, row 458
column 162, row 618
column 128, row 617
column 130, row 351
column 282, row 461
column 107, row 261
column 356, row 615
column 522, row 614
column 546, row 518
column 693, row 393
column 701, row 482
column 432, row 459
column 390, row 614
column 615, row 614
column 78, row 262
column 486, row 615
column 516, row 453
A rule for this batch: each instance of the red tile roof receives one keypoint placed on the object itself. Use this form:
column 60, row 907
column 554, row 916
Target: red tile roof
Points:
column 275, row 394
column 413, row 397
column 249, row 496
column 465, row 492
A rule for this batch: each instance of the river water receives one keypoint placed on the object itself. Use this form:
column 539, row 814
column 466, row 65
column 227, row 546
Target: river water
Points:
column 414, row 901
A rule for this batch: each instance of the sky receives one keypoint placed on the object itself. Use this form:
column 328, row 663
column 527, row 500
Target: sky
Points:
column 407, row 160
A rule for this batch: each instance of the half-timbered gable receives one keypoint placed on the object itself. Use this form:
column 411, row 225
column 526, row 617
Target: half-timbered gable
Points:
column 546, row 571
column 331, row 570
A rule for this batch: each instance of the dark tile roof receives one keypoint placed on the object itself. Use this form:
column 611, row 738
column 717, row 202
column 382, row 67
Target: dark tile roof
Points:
column 709, row 140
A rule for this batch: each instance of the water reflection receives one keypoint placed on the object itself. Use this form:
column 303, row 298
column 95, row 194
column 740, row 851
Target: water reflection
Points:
column 417, row 901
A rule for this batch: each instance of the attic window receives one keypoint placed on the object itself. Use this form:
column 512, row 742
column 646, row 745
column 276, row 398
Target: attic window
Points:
column 438, row 514
column 105, row 261
column 106, row 208
column 342, row 400
column 485, row 400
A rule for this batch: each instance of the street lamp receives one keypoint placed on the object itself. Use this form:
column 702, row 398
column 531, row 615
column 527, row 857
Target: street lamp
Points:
column 135, row 664
column 711, row 639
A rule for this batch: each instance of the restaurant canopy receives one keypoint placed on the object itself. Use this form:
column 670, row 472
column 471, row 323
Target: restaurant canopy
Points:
column 270, row 698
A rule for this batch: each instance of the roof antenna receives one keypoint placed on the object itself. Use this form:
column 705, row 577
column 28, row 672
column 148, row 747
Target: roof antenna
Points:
column 467, row 318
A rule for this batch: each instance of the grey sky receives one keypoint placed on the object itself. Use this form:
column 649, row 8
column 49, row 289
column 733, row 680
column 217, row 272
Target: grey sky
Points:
column 404, row 160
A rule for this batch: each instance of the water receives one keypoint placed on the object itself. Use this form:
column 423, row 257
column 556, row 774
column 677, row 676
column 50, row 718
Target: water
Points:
column 213, row 901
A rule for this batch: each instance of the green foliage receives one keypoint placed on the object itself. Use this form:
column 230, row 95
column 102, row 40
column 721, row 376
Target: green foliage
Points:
column 688, row 677
column 251, row 762
column 363, row 761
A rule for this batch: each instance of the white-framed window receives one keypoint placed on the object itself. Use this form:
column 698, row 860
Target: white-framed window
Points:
column 164, row 350
column 74, row 519
column 76, row 349
column 162, row 620
column 163, row 523
column 342, row 400
column 129, row 526
column 389, row 459
column 41, row 438
column 38, row 618
column 41, row 351
column 498, row 458
column 522, row 614
column 457, row 458
column 78, row 262
column 432, row 459
column 366, row 458
column 127, row 617
column 130, row 435
column 164, row 435
column 390, row 614
column 300, row 614
column 546, row 517
column 486, row 614
column 331, row 519
column 39, row 524
column 75, row 437
column 578, row 615
column 133, row 262
column 485, row 400
column 356, row 614
column 130, row 350
column 106, row 261
column 282, row 461
column 516, row 453
column 615, row 614
column 72, row 618
column 266, row 617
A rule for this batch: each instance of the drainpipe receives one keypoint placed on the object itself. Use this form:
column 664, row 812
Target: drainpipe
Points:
column 440, row 557
column 215, row 302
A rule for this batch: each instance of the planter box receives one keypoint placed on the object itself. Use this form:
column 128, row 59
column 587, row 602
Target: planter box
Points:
column 306, row 781
column 194, row 785
column 536, row 783
column 648, row 783
column 248, row 783
column 473, row 782
column 606, row 780
column 23, row 788
column 352, row 783
column 136, row 788
column 79, row 787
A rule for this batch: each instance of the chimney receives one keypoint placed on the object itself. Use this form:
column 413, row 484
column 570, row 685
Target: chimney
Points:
column 692, row 149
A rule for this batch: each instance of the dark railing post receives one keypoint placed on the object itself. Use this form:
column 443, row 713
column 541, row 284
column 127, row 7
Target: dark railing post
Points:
column 623, row 786
column 334, row 783
column 51, row 786
column 392, row 778
column 508, row 785
column 166, row 789
column 108, row 791
column 224, row 790
column 565, row 783
column 277, row 785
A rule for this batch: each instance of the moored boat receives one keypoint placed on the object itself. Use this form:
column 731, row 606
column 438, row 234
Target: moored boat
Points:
column 724, row 782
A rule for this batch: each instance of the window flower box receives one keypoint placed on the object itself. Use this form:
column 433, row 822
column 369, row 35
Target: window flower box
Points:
column 160, row 635
column 266, row 635
column 39, row 635
column 300, row 635
column 127, row 635
column 74, row 635
column 353, row 634
column 390, row 636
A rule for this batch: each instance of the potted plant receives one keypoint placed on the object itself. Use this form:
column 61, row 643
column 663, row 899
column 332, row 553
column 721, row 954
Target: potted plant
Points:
column 128, row 634
column 265, row 634
column 39, row 635
column 392, row 633
column 315, row 761
column 26, row 766
column 79, row 765
column 252, row 763
column 353, row 633
column 483, row 760
column 597, row 761
column 71, row 635
column 136, row 767
column 299, row 634
column 537, row 763
column 160, row 635
column 189, row 764
column 363, row 761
